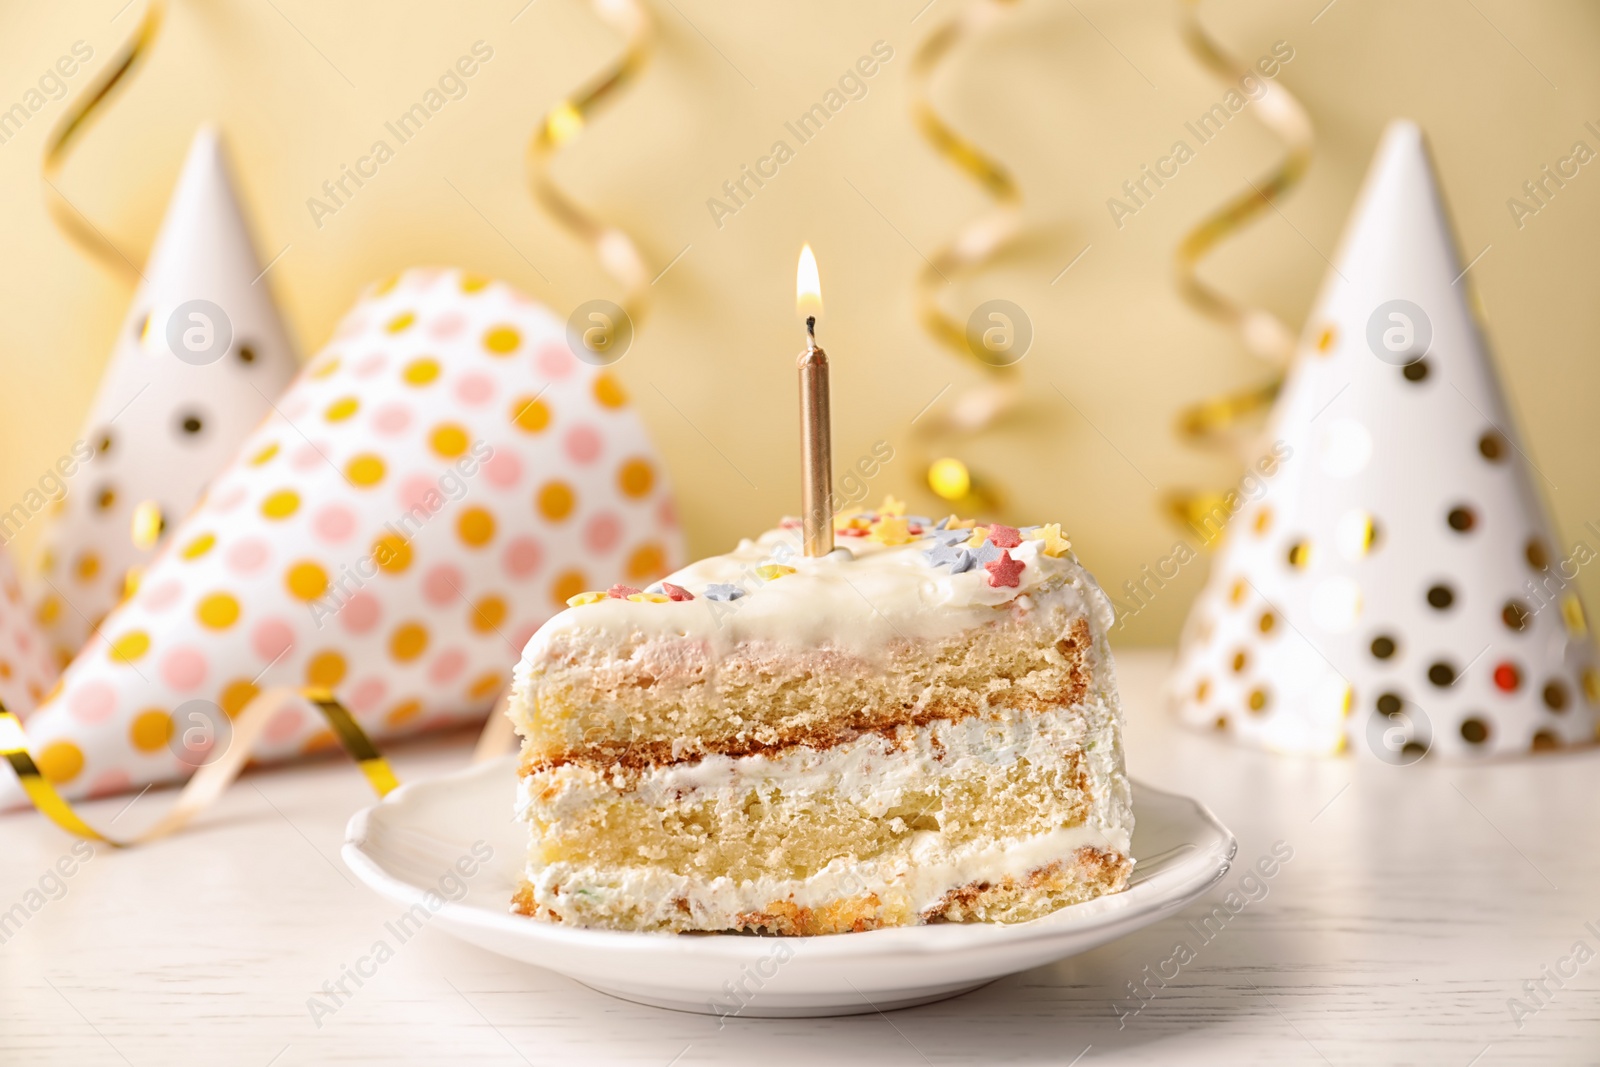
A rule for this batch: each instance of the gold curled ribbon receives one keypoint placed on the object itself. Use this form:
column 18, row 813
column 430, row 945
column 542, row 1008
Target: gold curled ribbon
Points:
column 80, row 116
column 1224, row 420
column 210, row 780
column 1215, row 417
column 618, row 253
column 975, row 244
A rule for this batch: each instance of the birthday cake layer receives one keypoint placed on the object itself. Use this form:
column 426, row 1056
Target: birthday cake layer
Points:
column 922, row 726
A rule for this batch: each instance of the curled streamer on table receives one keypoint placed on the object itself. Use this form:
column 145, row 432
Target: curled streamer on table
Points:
column 618, row 253
column 975, row 244
column 212, row 778
column 1225, row 420
column 80, row 116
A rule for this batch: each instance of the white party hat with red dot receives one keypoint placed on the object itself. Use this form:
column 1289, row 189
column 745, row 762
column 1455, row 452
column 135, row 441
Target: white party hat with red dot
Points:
column 1396, row 587
column 200, row 358
column 440, row 479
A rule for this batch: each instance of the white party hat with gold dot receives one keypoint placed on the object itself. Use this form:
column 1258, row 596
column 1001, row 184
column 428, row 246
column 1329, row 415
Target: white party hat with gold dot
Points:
column 434, row 485
column 199, row 360
column 1392, row 584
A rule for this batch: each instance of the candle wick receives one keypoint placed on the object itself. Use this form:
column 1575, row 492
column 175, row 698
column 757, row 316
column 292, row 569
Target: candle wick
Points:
column 811, row 331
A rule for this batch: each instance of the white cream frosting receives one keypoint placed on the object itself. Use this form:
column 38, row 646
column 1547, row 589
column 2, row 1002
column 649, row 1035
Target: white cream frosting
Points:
column 859, row 599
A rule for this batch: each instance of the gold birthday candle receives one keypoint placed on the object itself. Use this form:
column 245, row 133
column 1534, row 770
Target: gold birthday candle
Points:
column 1225, row 420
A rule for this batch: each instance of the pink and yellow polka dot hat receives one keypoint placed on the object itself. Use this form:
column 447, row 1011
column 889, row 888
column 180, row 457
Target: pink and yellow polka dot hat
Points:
column 434, row 485
column 28, row 665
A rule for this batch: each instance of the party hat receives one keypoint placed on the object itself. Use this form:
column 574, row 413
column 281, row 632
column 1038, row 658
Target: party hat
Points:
column 1396, row 586
column 27, row 665
column 197, row 364
column 435, row 484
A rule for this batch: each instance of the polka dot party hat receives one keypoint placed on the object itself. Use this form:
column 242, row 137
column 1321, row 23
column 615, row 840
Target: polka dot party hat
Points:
column 1389, row 582
column 435, row 484
column 199, row 359
column 27, row 664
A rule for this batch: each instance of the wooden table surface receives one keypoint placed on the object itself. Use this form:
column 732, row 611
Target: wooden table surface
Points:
column 1416, row 903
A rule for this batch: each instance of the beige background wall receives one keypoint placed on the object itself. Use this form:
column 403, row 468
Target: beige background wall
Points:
column 1073, row 96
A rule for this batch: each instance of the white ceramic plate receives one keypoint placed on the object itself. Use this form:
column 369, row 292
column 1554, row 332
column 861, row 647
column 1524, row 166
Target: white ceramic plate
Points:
column 404, row 846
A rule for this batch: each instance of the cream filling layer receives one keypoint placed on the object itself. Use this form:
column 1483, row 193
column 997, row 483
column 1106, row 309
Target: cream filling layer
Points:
column 907, row 883
column 873, row 772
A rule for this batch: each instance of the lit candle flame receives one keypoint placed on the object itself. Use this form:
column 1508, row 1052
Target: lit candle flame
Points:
column 807, row 285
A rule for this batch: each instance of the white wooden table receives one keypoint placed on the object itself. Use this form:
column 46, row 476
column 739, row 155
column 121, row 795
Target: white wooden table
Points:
column 1417, row 901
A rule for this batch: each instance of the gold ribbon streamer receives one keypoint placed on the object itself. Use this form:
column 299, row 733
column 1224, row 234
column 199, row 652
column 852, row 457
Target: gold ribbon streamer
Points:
column 1223, row 420
column 618, row 253
column 210, row 781
column 979, row 241
column 80, row 116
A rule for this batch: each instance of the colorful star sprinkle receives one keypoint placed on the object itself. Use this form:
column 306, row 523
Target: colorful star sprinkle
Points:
column 960, row 544
column 892, row 530
column 1054, row 543
column 1004, row 571
column 985, row 553
column 1005, row 536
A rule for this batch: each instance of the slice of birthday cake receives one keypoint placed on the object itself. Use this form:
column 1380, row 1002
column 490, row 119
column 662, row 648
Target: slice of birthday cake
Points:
column 920, row 727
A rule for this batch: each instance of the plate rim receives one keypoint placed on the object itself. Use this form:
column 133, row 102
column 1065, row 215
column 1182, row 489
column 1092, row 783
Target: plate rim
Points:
column 1116, row 910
